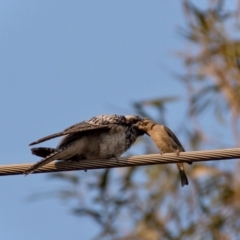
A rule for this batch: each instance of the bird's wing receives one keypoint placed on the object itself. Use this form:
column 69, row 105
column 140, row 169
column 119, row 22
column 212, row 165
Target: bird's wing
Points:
column 173, row 136
column 97, row 122
column 73, row 136
column 77, row 128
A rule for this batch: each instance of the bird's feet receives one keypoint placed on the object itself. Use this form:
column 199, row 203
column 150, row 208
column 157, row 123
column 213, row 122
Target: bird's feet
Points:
column 177, row 152
column 114, row 156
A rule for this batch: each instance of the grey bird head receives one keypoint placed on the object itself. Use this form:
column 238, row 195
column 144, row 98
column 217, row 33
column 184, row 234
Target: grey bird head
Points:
column 144, row 125
column 133, row 119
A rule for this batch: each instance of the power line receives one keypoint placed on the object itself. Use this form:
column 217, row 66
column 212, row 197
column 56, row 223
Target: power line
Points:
column 138, row 160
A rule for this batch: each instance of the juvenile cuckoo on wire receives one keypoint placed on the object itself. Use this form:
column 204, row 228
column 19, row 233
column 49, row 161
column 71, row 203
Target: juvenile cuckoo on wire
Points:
column 101, row 137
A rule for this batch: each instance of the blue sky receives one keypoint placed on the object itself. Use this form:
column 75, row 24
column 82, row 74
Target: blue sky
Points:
column 63, row 62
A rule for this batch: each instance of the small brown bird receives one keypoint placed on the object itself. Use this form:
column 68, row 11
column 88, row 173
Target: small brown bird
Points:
column 103, row 136
column 166, row 141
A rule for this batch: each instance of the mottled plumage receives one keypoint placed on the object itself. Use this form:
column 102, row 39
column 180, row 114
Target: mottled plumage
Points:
column 166, row 141
column 104, row 136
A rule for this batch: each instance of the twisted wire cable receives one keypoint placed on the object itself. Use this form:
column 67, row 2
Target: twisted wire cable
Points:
column 138, row 160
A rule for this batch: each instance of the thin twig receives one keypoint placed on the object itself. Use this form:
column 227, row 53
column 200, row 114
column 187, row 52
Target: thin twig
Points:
column 140, row 160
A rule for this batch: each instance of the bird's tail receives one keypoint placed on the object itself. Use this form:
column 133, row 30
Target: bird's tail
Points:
column 53, row 156
column 42, row 151
column 184, row 180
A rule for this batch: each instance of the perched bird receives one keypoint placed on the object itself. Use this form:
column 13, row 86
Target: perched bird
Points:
column 104, row 136
column 166, row 141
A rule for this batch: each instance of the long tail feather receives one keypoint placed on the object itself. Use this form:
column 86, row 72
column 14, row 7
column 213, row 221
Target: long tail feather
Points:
column 44, row 161
column 42, row 151
column 184, row 180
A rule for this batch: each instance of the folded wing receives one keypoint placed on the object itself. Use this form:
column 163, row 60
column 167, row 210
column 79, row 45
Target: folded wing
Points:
column 77, row 128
